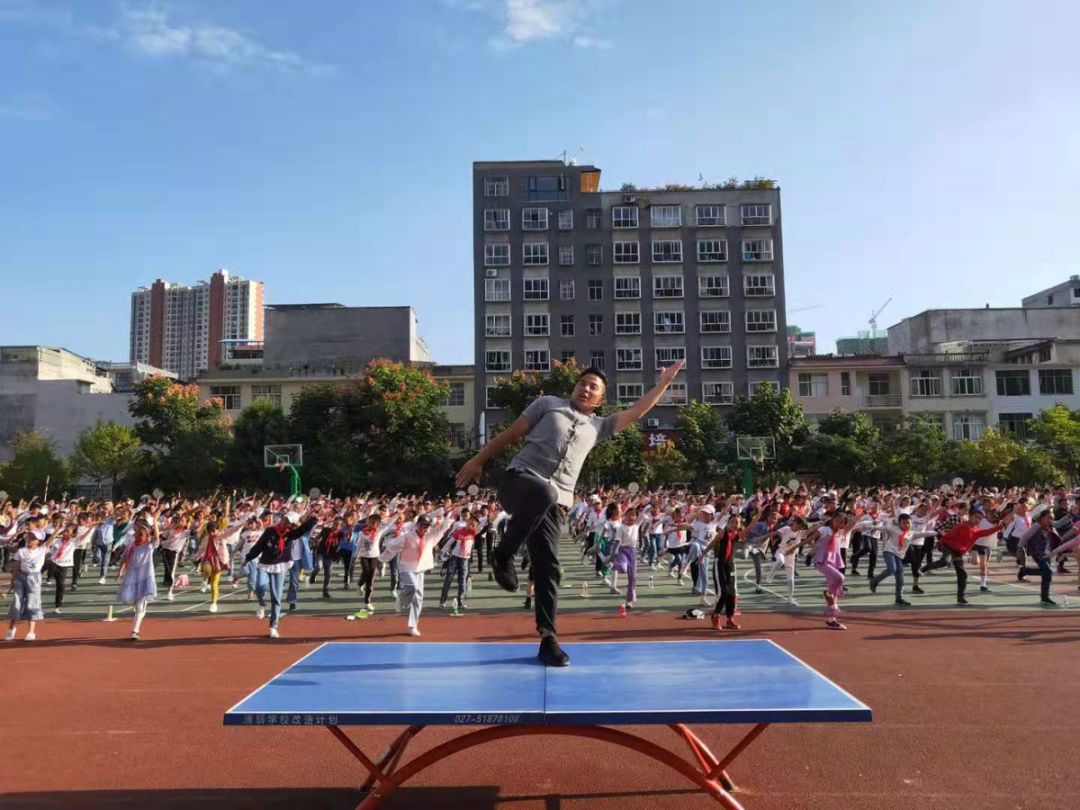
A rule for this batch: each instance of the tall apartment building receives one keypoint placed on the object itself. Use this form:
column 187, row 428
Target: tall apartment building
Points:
column 627, row 281
column 182, row 328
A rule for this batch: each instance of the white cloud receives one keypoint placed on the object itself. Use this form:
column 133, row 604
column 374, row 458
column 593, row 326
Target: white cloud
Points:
column 591, row 42
column 529, row 21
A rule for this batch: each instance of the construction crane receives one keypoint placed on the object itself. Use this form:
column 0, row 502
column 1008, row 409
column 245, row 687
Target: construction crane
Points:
column 873, row 318
column 804, row 309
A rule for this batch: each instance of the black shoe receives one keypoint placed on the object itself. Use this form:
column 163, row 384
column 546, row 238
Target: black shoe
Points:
column 528, row 603
column 551, row 654
column 983, row 589
column 505, row 575
column 292, row 606
column 903, row 602
column 961, row 600
column 326, row 595
column 490, row 577
column 1048, row 602
column 75, row 587
column 1061, row 570
column 917, row 589
column 873, row 586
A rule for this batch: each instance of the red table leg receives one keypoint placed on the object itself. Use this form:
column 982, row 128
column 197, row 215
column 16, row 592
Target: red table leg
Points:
column 733, row 754
column 390, row 758
column 706, row 759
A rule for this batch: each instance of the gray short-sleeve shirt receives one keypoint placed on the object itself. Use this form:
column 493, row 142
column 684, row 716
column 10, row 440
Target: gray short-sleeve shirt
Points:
column 559, row 439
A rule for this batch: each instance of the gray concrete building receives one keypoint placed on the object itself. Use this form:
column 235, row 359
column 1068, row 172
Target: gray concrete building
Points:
column 328, row 337
column 1066, row 294
column 934, row 329
column 629, row 281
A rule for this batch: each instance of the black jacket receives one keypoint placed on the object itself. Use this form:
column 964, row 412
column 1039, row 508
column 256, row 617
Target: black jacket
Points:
column 266, row 547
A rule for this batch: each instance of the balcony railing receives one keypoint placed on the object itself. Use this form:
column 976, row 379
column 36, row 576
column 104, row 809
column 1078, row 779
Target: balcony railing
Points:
column 880, row 401
column 946, row 358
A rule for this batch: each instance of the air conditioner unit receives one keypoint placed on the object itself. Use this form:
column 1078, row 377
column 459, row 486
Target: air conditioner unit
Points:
column 653, row 423
column 629, row 198
column 492, row 272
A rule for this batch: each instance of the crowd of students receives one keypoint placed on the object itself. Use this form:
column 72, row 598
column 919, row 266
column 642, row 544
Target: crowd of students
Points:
column 272, row 546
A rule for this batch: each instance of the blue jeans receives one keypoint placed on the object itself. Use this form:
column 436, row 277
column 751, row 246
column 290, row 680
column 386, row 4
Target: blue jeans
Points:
column 277, row 582
column 456, row 567
column 294, row 581
column 1045, row 572
column 894, row 567
column 256, row 580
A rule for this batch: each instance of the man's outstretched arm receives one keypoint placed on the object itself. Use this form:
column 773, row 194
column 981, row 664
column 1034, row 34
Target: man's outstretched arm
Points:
column 623, row 419
column 471, row 470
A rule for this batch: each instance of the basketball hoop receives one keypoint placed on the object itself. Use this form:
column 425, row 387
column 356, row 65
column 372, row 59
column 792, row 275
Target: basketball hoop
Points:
column 757, row 455
column 281, row 465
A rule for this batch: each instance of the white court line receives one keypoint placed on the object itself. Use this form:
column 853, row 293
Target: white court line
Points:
column 784, row 599
column 290, row 666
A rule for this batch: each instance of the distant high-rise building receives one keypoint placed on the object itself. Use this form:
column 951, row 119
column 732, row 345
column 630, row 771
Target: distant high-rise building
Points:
column 628, row 281
column 800, row 343
column 186, row 330
column 867, row 342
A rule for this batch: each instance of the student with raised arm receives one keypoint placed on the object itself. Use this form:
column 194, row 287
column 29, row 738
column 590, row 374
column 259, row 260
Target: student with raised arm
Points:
column 538, row 487
column 897, row 539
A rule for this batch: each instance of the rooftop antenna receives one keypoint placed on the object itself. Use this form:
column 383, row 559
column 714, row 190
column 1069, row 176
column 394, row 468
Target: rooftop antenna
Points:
column 570, row 158
column 873, row 318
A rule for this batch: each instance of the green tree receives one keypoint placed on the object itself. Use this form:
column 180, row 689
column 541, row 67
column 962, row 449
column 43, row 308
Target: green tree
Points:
column 1057, row 431
column 844, row 449
column 322, row 419
column 619, row 460
column 106, row 452
column 999, row 460
column 259, row 424
column 34, row 462
column 184, row 440
column 701, row 437
column 668, row 465
column 772, row 412
column 514, row 393
column 913, row 453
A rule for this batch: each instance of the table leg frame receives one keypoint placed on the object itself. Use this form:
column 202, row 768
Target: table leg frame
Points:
column 708, row 773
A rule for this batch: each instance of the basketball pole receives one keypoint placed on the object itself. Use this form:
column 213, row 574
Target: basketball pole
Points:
column 294, row 481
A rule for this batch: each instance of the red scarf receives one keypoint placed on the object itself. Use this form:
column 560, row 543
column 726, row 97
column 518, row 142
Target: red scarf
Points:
column 903, row 539
column 60, row 551
column 281, row 534
column 131, row 548
column 463, row 537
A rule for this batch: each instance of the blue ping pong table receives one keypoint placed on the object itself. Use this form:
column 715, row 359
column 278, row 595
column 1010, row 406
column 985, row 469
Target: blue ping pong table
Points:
column 505, row 689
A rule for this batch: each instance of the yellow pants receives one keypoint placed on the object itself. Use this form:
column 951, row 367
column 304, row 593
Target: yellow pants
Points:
column 214, row 578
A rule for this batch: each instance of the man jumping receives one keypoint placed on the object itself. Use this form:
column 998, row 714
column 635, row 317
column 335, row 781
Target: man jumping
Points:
column 538, row 488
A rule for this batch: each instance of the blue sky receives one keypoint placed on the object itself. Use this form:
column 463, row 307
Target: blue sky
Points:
column 927, row 151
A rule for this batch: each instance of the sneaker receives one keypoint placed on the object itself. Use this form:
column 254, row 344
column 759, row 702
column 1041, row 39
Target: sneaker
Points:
column 834, row 624
column 75, row 587
column 505, row 574
column 613, row 589
column 673, row 574
column 10, row 636
column 204, row 588
column 731, row 624
column 961, row 601
column 57, row 610
column 551, row 654
column 394, row 593
column 442, row 605
column 716, row 623
column 134, row 635
column 170, row 597
column 917, row 589
column 274, row 633
column 983, row 589
column 30, row 636
column 903, row 602
column 414, row 631
column 1020, row 573
column 705, row 601
column 260, row 613
column 793, row 603
column 757, row 589
column 101, row 581
column 873, row 586
column 369, row 607
column 528, row 603
column 326, row 595
column 1048, row 602
column 213, row 607
column 292, row 607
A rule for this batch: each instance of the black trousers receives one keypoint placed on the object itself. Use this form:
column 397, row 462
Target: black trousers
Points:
column 724, row 575
column 485, row 545
column 956, row 559
column 76, row 569
column 346, row 557
column 368, row 567
column 59, row 574
column 327, row 562
column 536, row 521
column 168, row 566
column 866, row 545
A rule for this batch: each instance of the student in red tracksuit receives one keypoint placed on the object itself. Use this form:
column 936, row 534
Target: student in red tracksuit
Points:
column 957, row 542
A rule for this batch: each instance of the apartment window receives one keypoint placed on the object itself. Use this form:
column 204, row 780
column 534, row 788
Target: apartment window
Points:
column 566, row 290
column 714, row 321
column 537, row 325
column 1014, row 424
column 496, row 255
column 667, row 287
column 566, row 220
column 713, row 286
column 629, row 393
column 533, row 253
column 1013, row 383
column 496, row 186
column 669, row 356
column 624, row 216
column 813, row 385
column 762, row 357
column 759, row 284
column 456, row 433
column 878, row 385
column 566, row 325
column 544, row 188
column 594, row 255
column 709, row 216
column 534, row 219
column 497, row 219
column 666, row 251
column 1076, row 293
column 627, row 323
column 966, row 382
column 665, row 216
column 596, row 360
column 596, row 324
column 455, row 395
column 594, row 219
column 627, row 287
column 845, row 383
column 497, row 360
column 755, row 214
column 674, row 395
column 628, row 359
column 536, row 289
column 753, row 387
column 669, row 323
column 537, row 360
column 715, row 357
column 968, row 426
column 712, row 250
column 757, row 250
column 566, row 356
column 925, row 382
column 566, row 255
column 489, row 396
column 270, row 392
column 1056, row 381
column 596, row 289
column 497, row 326
column 718, row 393
column 761, row 320
column 626, row 252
